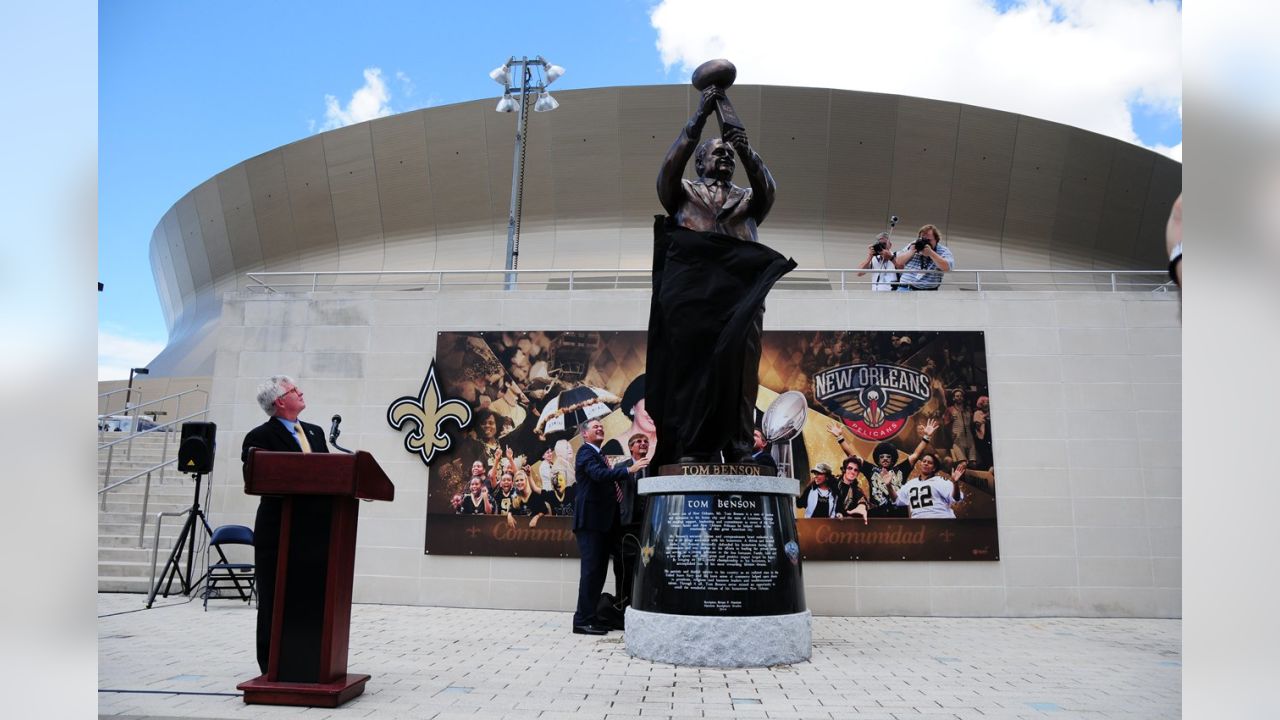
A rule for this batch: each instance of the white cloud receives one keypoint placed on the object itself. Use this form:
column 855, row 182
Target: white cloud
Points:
column 118, row 353
column 1174, row 152
column 406, row 83
column 371, row 100
column 1081, row 70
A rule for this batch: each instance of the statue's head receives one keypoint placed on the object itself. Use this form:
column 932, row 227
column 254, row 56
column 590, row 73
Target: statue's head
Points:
column 714, row 159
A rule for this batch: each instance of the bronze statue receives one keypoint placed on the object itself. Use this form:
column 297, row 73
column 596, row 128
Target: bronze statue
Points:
column 710, row 279
column 713, row 202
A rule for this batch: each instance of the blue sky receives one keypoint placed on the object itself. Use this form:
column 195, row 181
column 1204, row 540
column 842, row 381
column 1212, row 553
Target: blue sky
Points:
column 187, row 89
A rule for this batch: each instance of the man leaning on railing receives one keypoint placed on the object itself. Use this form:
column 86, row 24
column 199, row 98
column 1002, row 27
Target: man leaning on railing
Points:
column 922, row 261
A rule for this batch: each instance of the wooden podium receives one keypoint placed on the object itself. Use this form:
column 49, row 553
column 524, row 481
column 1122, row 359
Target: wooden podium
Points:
column 311, row 614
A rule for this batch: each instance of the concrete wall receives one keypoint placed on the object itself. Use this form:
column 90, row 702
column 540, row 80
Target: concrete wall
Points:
column 1085, row 391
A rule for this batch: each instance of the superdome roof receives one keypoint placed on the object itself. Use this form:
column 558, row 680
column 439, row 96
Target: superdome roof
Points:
column 429, row 189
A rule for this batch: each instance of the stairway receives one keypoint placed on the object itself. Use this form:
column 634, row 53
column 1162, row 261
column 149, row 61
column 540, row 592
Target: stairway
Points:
column 123, row 566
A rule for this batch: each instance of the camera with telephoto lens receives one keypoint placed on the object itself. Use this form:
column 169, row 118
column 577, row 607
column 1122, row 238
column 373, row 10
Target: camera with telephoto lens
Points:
column 920, row 243
column 877, row 248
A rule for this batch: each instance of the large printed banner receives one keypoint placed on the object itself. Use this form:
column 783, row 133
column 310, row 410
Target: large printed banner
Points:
column 903, row 416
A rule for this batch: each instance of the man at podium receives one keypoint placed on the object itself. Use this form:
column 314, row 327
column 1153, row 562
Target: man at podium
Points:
column 282, row 401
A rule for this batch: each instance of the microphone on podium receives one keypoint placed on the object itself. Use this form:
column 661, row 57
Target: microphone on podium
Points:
column 334, row 432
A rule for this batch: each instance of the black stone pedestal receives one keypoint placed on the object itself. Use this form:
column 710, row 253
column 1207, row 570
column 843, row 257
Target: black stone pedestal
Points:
column 719, row 582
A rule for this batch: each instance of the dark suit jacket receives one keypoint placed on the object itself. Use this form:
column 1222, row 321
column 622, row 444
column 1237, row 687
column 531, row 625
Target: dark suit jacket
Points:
column 595, row 506
column 762, row 457
column 633, row 503
column 273, row 435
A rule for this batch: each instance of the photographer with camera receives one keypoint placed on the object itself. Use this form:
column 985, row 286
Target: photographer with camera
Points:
column 880, row 260
column 923, row 260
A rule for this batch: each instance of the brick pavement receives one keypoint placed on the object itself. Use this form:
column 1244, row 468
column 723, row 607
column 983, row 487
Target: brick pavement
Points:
column 448, row 663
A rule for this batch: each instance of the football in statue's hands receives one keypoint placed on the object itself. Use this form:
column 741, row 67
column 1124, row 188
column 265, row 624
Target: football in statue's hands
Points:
column 718, row 72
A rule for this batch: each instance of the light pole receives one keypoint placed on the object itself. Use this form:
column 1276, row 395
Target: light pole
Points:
column 535, row 76
column 129, row 388
column 133, row 424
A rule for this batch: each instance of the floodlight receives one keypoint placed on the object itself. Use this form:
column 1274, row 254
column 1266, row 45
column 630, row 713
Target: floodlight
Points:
column 522, row 87
column 545, row 102
column 507, row 104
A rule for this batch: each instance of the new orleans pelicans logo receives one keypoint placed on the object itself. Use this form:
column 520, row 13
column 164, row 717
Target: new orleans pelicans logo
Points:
column 428, row 413
column 874, row 401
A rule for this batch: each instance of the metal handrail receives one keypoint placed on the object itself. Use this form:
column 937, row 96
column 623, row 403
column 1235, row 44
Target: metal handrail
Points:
column 155, row 551
column 137, row 475
column 133, row 432
column 638, row 278
column 146, row 491
column 133, row 426
column 169, row 397
column 137, row 391
column 106, row 475
column 102, row 409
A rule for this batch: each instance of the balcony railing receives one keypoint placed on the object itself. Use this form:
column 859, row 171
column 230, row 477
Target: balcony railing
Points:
column 825, row 279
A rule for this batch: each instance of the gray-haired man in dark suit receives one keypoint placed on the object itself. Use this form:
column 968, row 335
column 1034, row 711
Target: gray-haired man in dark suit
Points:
column 282, row 400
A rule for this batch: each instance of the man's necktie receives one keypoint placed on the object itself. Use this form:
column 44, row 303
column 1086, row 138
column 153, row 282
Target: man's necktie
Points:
column 617, row 487
column 302, row 437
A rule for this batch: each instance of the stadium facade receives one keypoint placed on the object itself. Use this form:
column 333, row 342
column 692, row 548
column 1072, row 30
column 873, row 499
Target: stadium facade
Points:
column 1085, row 377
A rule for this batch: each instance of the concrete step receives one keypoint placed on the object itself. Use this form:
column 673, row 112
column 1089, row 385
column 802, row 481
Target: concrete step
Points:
column 141, row 586
column 126, row 540
column 131, row 577
column 126, row 517
column 148, row 455
column 133, row 515
column 139, row 443
column 165, row 493
column 120, row 453
column 171, row 477
column 170, row 528
column 137, row 487
column 170, row 480
column 160, row 492
column 145, row 442
column 142, row 568
column 125, row 554
column 154, row 505
column 134, row 568
column 120, row 471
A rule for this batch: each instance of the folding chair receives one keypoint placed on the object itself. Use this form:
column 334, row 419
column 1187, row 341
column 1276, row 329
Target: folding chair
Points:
column 227, row 573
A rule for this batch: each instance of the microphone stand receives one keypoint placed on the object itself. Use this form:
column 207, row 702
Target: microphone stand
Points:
column 333, row 440
column 334, row 432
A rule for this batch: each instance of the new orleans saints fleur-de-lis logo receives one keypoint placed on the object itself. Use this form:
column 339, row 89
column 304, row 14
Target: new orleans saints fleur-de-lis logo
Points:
column 428, row 413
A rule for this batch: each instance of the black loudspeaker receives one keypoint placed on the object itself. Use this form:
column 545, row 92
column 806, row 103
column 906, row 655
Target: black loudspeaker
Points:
column 195, row 453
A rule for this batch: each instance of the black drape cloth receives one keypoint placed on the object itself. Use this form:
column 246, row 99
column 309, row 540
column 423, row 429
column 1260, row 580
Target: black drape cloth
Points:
column 705, row 323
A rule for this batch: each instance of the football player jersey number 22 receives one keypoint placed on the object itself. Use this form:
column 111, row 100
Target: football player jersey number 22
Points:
column 921, row 497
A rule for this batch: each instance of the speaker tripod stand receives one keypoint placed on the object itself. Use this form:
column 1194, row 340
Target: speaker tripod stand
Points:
column 196, row 522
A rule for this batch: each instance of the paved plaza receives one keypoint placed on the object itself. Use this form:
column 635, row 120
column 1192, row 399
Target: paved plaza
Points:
column 177, row 661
